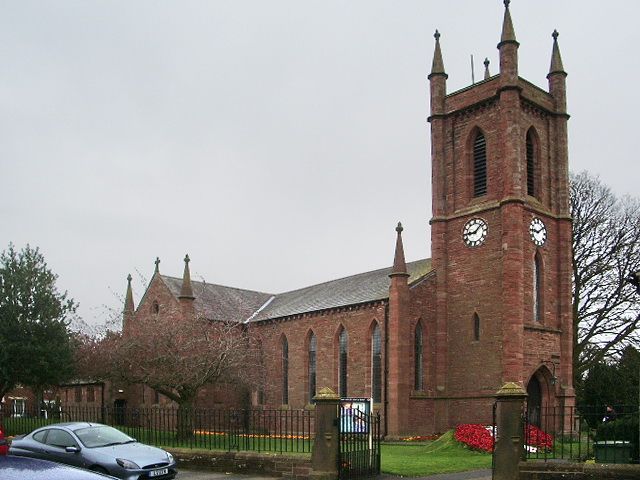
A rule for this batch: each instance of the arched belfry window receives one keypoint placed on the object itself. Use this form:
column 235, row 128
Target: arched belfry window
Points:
column 376, row 364
column 285, row 371
column 531, row 163
column 417, row 358
column 476, row 327
column 155, row 307
column 344, row 356
column 537, row 288
column 479, row 165
column 311, row 361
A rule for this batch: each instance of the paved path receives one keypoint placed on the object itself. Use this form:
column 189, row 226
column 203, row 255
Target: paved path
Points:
column 471, row 475
column 184, row 474
column 207, row 475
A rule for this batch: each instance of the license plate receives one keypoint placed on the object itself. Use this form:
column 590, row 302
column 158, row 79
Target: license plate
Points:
column 158, row 473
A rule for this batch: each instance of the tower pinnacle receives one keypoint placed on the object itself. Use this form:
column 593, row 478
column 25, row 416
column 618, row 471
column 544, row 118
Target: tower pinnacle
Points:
column 399, row 264
column 508, row 33
column 186, row 291
column 437, row 66
column 128, row 299
column 556, row 58
column 508, row 48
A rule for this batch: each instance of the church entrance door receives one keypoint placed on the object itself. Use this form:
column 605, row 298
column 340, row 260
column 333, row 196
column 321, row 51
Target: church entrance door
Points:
column 534, row 401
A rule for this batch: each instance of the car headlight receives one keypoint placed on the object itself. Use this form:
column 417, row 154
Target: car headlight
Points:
column 124, row 463
column 170, row 457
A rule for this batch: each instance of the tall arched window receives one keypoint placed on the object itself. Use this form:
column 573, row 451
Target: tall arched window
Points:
column 476, row 327
column 313, row 345
column 376, row 364
column 479, row 165
column 537, row 289
column 285, row 371
column 417, row 358
column 344, row 353
column 531, row 163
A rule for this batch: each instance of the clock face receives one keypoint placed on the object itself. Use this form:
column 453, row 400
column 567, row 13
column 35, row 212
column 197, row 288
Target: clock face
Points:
column 538, row 231
column 475, row 231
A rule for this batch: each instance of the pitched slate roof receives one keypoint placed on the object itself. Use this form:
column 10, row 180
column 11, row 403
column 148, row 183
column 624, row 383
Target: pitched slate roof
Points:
column 218, row 302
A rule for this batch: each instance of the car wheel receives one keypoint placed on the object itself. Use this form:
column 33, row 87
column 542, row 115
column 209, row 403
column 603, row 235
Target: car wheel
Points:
column 99, row 469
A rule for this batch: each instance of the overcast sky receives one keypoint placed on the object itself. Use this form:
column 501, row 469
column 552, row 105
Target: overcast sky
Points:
column 277, row 142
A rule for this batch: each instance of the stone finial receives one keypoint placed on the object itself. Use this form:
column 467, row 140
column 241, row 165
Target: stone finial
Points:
column 437, row 66
column 508, row 32
column 157, row 262
column 556, row 58
column 129, row 306
column 486, row 69
column 399, row 264
column 186, row 291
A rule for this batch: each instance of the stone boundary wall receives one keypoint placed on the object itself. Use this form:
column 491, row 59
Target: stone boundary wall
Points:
column 265, row 463
column 577, row 471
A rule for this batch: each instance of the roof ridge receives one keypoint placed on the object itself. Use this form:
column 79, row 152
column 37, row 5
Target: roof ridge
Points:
column 314, row 285
column 390, row 267
column 219, row 285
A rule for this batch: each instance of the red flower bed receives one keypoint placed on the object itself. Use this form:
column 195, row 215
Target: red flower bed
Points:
column 480, row 437
column 475, row 436
column 535, row 437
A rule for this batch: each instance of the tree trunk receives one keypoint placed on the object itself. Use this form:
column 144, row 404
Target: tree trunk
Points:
column 185, row 421
column 39, row 394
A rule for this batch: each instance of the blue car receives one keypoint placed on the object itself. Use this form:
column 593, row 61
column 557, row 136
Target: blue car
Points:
column 96, row 447
column 22, row 468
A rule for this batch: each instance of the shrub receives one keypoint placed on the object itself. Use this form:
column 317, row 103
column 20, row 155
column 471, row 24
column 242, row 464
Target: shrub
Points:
column 623, row 429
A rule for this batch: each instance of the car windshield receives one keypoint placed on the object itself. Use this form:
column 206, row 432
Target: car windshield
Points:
column 102, row 436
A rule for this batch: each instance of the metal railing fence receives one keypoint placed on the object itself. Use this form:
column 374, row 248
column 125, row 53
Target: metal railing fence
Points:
column 584, row 433
column 259, row 430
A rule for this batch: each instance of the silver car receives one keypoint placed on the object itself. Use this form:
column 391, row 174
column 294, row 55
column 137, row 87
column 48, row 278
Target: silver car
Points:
column 96, row 447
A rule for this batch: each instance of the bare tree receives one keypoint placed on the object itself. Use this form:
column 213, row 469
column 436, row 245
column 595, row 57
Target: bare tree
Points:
column 177, row 355
column 606, row 236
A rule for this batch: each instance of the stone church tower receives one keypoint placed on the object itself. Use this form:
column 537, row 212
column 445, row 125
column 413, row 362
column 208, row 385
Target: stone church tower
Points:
column 501, row 235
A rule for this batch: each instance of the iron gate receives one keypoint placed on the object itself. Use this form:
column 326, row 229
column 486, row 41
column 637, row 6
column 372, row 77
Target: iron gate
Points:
column 359, row 452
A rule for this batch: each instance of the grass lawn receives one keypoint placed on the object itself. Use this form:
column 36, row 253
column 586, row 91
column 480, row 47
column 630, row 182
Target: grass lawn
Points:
column 444, row 455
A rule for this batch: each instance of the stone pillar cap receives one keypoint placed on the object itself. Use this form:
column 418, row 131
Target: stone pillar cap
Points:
column 511, row 389
column 326, row 394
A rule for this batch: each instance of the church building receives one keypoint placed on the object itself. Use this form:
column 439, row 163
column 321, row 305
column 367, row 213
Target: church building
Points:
column 431, row 341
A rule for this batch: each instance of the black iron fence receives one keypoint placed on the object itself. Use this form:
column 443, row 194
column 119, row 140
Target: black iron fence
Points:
column 585, row 433
column 256, row 430
column 359, row 448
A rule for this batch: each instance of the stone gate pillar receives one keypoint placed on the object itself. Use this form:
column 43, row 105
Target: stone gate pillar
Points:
column 324, row 456
column 509, row 445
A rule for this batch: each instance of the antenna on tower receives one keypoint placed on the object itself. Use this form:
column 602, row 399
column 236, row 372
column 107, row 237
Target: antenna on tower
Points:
column 473, row 76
